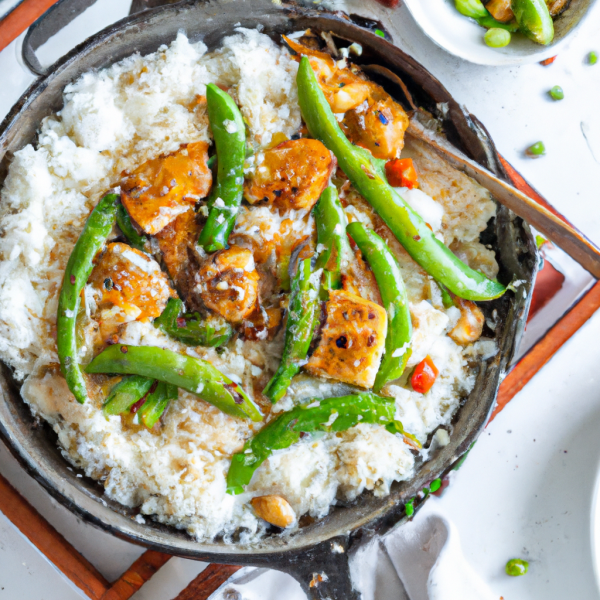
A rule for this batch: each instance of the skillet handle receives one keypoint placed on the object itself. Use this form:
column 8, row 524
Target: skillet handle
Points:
column 50, row 23
column 59, row 16
column 323, row 571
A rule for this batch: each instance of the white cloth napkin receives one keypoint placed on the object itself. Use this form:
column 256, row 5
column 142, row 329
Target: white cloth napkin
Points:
column 422, row 560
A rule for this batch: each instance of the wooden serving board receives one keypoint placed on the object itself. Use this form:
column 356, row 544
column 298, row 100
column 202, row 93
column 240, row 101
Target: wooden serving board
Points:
column 85, row 576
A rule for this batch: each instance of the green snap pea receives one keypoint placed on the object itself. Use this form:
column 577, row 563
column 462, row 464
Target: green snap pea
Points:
column 395, row 301
column 192, row 374
column 556, row 93
column 496, row 37
column 475, row 9
column 79, row 267
column 192, row 329
column 134, row 239
column 367, row 175
column 516, row 567
column 471, row 8
column 330, row 414
column 156, row 403
column 331, row 237
column 126, row 393
column 229, row 133
column 534, row 20
column 300, row 327
column 435, row 485
column 536, row 150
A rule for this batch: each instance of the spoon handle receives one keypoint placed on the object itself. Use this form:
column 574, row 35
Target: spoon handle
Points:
column 564, row 235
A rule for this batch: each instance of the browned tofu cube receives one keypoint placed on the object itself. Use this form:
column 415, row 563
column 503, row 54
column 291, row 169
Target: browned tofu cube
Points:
column 352, row 341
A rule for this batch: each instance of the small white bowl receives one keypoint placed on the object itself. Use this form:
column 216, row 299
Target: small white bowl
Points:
column 463, row 37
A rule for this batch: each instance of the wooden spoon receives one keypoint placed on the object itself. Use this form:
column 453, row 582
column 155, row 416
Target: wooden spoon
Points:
column 574, row 243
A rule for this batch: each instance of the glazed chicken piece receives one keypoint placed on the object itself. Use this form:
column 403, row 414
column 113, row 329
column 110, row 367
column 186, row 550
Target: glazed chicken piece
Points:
column 174, row 241
column 352, row 340
column 131, row 287
column 377, row 125
column 293, row 174
column 262, row 323
column 228, row 283
column 163, row 188
column 470, row 324
column 372, row 119
column 501, row 10
column 556, row 7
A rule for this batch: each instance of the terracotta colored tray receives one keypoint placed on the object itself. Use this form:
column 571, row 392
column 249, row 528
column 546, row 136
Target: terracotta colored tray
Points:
column 84, row 575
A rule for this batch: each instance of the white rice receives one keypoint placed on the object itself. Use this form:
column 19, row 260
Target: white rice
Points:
column 113, row 120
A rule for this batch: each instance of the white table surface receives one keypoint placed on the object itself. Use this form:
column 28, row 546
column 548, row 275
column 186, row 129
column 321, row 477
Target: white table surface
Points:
column 526, row 488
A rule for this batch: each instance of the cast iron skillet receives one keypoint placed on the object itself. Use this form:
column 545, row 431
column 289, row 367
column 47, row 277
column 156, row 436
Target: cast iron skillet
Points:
column 323, row 546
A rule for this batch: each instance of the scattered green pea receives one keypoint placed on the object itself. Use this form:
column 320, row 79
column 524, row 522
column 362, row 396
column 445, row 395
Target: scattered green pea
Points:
column 592, row 57
column 435, row 485
column 409, row 508
column 557, row 93
column 379, row 33
column 516, row 567
column 536, row 150
column 496, row 37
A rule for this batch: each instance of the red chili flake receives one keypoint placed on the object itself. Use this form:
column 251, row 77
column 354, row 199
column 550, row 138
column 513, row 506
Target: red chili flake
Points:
column 548, row 61
column 416, row 238
column 138, row 405
column 371, row 315
column 181, row 322
column 370, row 341
column 124, row 349
column 303, row 434
column 72, row 279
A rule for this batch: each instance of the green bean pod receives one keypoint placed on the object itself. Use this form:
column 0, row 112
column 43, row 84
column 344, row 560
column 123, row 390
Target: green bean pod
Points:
column 330, row 414
column 192, row 374
column 229, row 133
column 192, row 329
column 367, row 175
column 126, row 393
column 301, row 321
column 534, row 20
column 331, row 237
column 134, row 239
column 156, row 403
column 395, row 301
column 79, row 267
